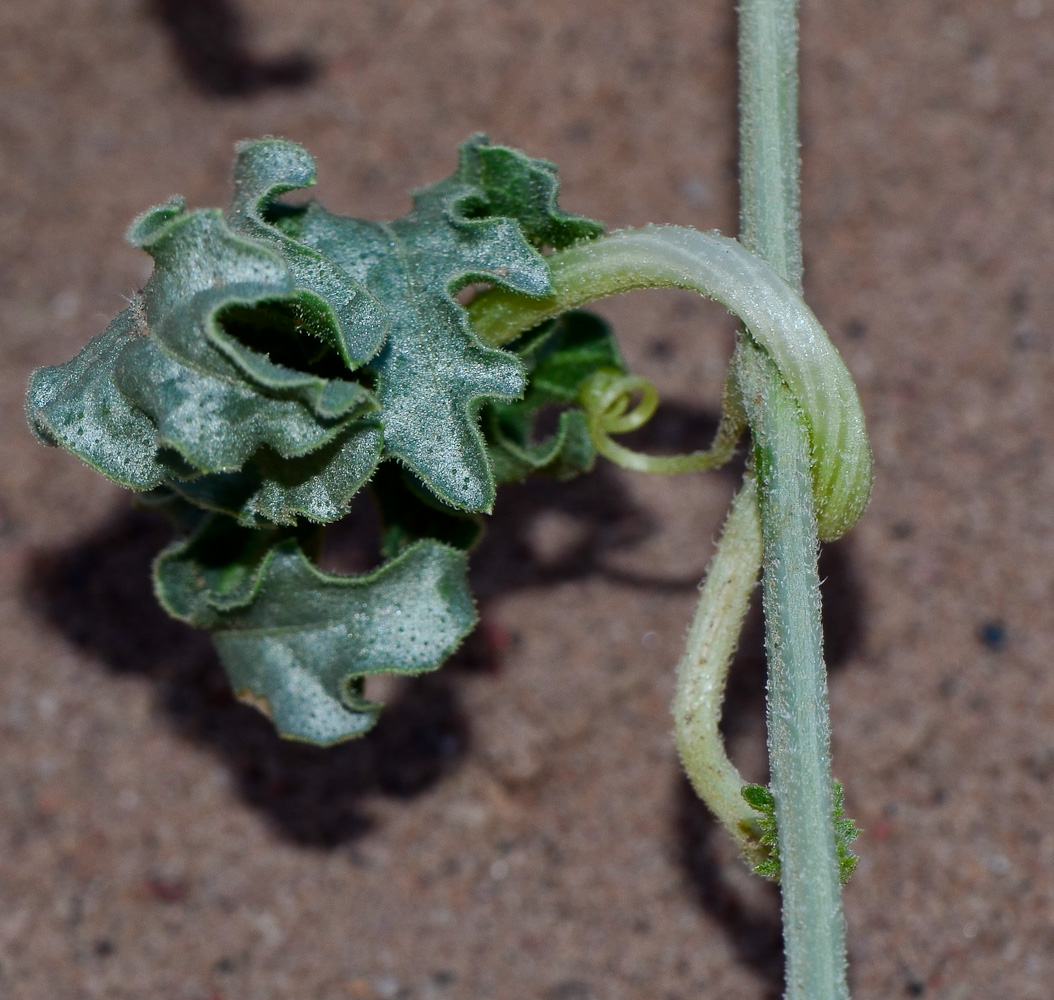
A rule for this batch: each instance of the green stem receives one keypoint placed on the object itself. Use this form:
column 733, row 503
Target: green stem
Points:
column 786, row 340
column 813, row 464
column 798, row 737
column 769, row 165
column 703, row 672
column 798, row 728
column 777, row 319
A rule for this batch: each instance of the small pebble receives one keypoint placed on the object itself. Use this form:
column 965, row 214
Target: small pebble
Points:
column 992, row 635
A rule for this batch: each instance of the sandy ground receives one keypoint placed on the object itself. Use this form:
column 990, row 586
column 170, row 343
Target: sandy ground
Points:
column 516, row 826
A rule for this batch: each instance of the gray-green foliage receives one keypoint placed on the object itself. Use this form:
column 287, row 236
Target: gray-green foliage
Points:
column 278, row 360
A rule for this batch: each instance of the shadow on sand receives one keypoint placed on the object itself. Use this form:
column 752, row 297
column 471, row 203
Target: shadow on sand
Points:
column 97, row 593
column 209, row 42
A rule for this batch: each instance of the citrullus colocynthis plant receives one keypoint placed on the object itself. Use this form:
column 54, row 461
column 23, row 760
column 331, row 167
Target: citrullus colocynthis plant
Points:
column 282, row 358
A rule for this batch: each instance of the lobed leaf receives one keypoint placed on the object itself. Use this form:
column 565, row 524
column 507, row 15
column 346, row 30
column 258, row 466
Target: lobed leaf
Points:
column 281, row 357
column 486, row 223
column 266, row 169
column 169, row 391
column 77, row 406
column 269, row 489
column 298, row 643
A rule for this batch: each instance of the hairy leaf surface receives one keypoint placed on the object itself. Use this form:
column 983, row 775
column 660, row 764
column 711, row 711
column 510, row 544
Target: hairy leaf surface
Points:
column 281, row 357
column 298, row 643
column 483, row 224
column 269, row 489
column 77, row 406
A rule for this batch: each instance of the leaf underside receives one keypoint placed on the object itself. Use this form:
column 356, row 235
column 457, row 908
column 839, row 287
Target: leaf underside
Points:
column 282, row 357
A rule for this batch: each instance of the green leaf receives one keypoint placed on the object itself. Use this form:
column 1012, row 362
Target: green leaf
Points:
column 215, row 424
column 237, row 362
column 845, row 831
column 216, row 569
column 318, row 486
column 276, row 358
column 298, row 643
column 169, row 390
column 760, row 798
column 216, row 400
column 204, row 271
column 560, row 356
column 294, row 363
column 514, row 185
column 433, row 373
column 266, row 169
column 77, row 405
column 566, row 453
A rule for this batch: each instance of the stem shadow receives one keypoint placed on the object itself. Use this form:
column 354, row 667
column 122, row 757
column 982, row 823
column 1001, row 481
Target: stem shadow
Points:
column 749, row 914
column 208, row 39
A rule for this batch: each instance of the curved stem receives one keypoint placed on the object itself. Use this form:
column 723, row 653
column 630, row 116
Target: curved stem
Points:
column 703, row 671
column 812, row 459
column 773, row 312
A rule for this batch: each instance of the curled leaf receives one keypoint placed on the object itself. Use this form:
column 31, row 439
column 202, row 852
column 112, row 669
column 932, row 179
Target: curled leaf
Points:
column 486, row 223
column 77, row 406
column 277, row 356
column 299, row 643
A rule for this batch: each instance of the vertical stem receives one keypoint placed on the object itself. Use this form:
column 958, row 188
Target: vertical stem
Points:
column 798, row 728
column 798, row 733
column 769, row 166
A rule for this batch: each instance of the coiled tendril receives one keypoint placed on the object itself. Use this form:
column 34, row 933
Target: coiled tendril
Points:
column 608, row 397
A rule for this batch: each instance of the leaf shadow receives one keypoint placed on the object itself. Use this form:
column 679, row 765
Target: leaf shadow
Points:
column 597, row 505
column 209, row 42
column 748, row 914
column 97, row 593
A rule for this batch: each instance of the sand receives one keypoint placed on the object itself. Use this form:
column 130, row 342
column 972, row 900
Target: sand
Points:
column 517, row 826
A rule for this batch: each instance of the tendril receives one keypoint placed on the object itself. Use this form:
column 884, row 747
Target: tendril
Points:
column 780, row 329
column 608, row 400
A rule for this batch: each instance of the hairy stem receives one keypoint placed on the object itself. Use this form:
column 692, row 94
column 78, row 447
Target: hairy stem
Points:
column 798, row 727
column 812, row 459
column 777, row 319
column 769, row 164
column 703, row 671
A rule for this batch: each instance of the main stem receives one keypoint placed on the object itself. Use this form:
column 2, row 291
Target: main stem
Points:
column 798, row 726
